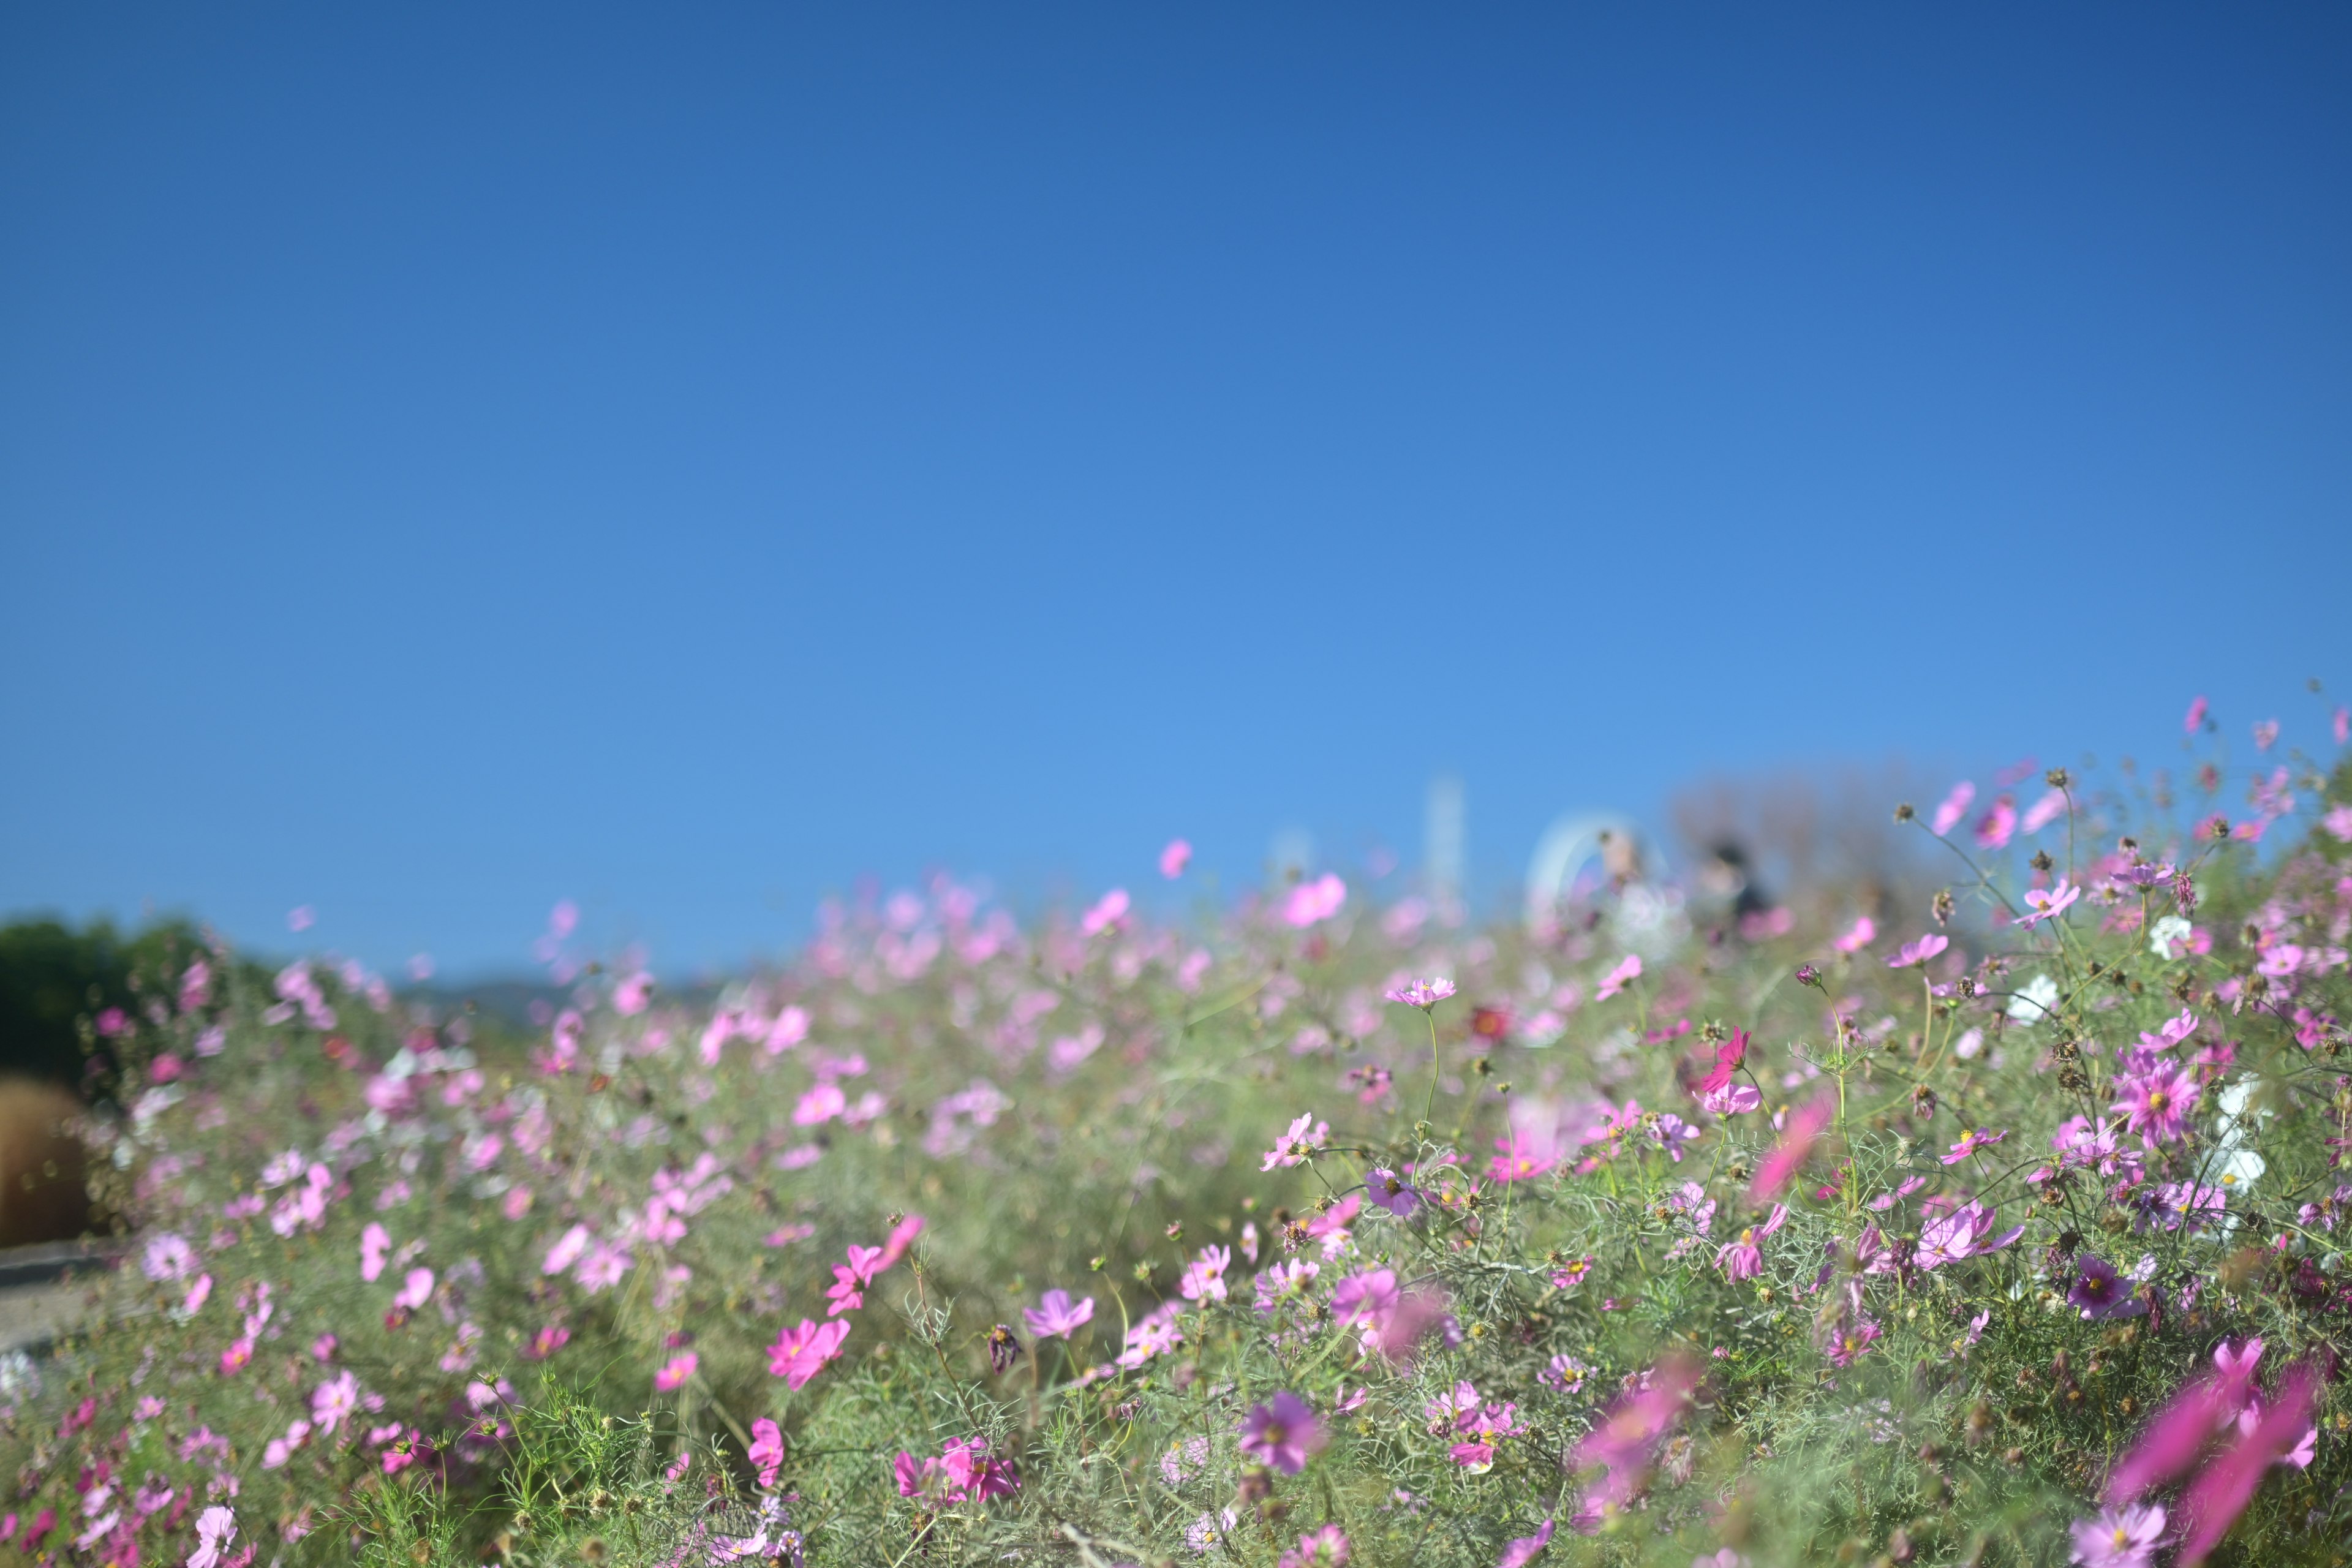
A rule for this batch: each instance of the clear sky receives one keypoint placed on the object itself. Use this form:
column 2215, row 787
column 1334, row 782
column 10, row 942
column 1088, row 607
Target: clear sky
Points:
column 687, row 457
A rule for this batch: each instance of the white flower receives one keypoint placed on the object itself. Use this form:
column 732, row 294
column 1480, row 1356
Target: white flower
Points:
column 2034, row 1000
column 2164, row 933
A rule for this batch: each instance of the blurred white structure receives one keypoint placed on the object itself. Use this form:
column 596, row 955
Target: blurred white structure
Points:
column 1442, row 845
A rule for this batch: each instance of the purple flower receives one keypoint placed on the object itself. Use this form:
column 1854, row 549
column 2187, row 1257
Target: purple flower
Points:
column 2101, row 1292
column 2119, row 1538
column 1423, row 993
column 1282, row 1434
column 1388, row 1190
column 1743, row 1259
column 1054, row 1316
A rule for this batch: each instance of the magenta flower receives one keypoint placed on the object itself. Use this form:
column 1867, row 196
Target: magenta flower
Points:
column 1971, row 1141
column 1628, row 970
column 1912, row 954
column 1366, row 1299
column 766, row 1453
column 1054, row 1317
column 1743, row 1259
column 1995, row 826
column 1421, row 994
column 801, row 1354
column 675, row 1374
column 1850, row 1340
column 1864, row 932
column 2119, row 1538
column 2101, row 1292
column 2156, row 1104
column 2216, row 1498
column 1174, row 859
column 2049, row 903
column 1777, row 1169
column 1326, row 1548
column 2190, row 725
column 1522, row 1552
column 1282, row 1434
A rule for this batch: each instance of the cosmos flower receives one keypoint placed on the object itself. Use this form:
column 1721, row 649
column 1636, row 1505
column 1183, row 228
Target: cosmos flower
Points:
column 1055, row 1317
column 2120, row 1537
column 2101, row 1292
column 1912, row 954
column 674, row 1374
column 799, row 1354
column 1627, row 970
column 1971, row 1141
column 2050, row 902
column 2156, row 1104
column 1174, row 859
column 1282, row 1434
column 1742, row 1259
column 1421, row 994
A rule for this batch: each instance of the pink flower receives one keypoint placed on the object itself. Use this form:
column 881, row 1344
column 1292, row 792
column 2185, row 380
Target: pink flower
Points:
column 766, row 1453
column 215, row 1528
column 1955, row 806
column 1174, row 859
column 680, row 1369
column 1204, row 1277
column 1298, row 1145
column 631, row 997
column 1627, row 970
column 416, row 1291
column 301, row 917
column 2048, row 904
column 1524, row 1550
column 2119, row 1538
column 1326, row 1548
column 1864, row 932
column 801, row 1354
column 234, row 1358
column 2215, row 1499
column 1961, row 1234
column 1731, row 1100
column 894, row 1244
column 567, row 1250
column 547, row 1341
column 1055, row 1317
column 1743, row 1259
column 1310, row 902
column 2043, row 812
column 820, row 1105
column 1775, row 1170
column 1912, row 954
column 1995, row 826
column 332, row 1403
column 2156, row 1104
column 1107, row 913
column 1365, row 1299
column 1971, row 1141
column 1282, row 1434
column 1421, row 994
column 1851, row 1340
column 2265, row 734
column 2196, row 719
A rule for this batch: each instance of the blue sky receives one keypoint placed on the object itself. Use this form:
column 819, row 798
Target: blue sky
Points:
column 687, row 458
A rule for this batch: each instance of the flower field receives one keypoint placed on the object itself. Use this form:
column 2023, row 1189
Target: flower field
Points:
column 1988, row 1217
